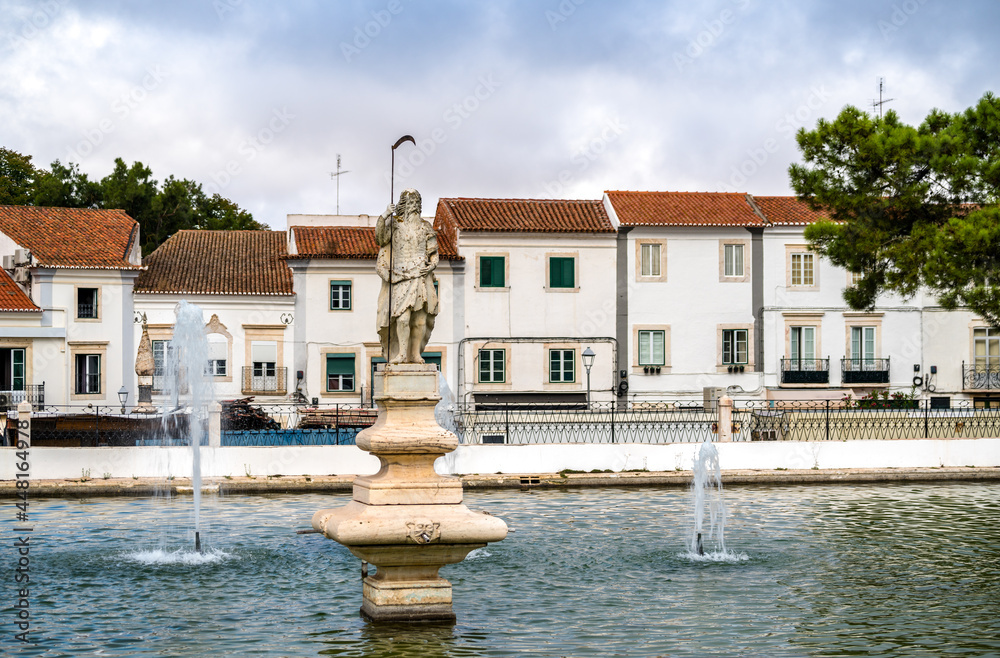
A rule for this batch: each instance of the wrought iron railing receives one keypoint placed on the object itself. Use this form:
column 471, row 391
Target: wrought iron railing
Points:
column 864, row 371
column 844, row 420
column 980, row 376
column 805, row 371
column 33, row 393
column 266, row 382
column 521, row 424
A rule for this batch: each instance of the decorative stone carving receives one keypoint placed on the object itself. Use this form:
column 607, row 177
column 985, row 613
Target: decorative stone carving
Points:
column 408, row 302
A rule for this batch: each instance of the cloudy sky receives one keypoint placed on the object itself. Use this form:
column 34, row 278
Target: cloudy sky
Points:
column 545, row 99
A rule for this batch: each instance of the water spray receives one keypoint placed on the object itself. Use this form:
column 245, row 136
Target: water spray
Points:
column 197, row 541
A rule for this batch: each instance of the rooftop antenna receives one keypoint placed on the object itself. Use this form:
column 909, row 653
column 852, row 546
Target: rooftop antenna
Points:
column 877, row 104
column 336, row 176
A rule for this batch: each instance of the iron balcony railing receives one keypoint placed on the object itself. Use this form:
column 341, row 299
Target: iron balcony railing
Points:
column 33, row 393
column 864, row 371
column 805, row 371
column 980, row 376
column 264, row 382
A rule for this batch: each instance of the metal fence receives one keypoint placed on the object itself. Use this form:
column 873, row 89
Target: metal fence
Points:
column 835, row 420
column 522, row 424
column 683, row 421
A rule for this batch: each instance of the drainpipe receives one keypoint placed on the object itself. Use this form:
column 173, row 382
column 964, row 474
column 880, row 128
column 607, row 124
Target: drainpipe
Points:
column 621, row 307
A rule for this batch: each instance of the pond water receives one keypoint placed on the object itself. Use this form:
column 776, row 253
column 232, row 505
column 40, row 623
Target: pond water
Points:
column 904, row 569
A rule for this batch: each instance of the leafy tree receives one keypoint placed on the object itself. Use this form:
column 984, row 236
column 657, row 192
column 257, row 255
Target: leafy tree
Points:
column 17, row 178
column 160, row 210
column 911, row 207
column 66, row 187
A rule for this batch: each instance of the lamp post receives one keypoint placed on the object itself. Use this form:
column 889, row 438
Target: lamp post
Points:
column 588, row 361
column 123, row 398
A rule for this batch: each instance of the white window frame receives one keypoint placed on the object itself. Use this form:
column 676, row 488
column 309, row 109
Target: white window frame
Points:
column 565, row 372
column 492, row 371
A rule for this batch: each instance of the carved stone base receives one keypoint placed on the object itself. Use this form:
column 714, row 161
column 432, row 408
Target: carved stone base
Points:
column 406, row 519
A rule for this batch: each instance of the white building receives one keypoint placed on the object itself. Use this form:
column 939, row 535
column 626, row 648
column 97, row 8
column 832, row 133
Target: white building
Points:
column 73, row 339
column 538, row 291
column 242, row 284
column 688, row 264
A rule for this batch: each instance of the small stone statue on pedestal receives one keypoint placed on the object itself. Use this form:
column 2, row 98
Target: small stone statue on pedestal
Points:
column 408, row 302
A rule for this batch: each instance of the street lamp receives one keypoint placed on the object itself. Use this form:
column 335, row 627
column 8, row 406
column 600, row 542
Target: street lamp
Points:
column 123, row 397
column 588, row 361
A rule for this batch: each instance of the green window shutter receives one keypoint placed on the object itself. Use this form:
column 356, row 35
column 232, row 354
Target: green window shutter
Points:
column 340, row 364
column 17, row 369
column 491, row 272
column 562, row 272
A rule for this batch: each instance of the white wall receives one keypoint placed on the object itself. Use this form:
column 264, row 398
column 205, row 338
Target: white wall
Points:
column 238, row 313
column 70, row 463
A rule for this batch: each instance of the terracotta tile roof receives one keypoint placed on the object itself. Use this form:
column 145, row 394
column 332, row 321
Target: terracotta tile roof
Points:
column 12, row 298
column 787, row 211
column 351, row 242
column 684, row 209
column 522, row 216
column 72, row 237
column 219, row 262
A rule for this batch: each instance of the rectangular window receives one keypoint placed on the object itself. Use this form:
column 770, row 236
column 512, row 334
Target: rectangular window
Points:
column 88, row 373
column 802, row 270
column 339, row 372
column 562, row 366
column 733, row 260
column 562, row 272
column 86, row 303
column 650, row 256
column 218, row 354
column 17, row 369
column 987, row 347
column 491, row 272
column 340, row 295
column 856, row 278
column 734, row 346
column 863, row 346
column 802, row 348
column 651, row 348
column 491, row 366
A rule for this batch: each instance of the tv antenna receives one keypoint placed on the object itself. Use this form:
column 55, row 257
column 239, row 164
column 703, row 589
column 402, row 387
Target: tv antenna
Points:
column 336, row 176
column 877, row 104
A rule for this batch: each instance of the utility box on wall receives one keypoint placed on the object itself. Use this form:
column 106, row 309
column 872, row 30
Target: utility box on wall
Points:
column 711, row 396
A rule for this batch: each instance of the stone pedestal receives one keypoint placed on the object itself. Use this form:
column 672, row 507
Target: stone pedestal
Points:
column 406, row 519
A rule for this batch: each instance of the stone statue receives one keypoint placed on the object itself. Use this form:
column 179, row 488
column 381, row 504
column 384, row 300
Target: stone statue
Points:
column 408, row 302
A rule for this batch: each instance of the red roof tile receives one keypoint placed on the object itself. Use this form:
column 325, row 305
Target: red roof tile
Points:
column 522, row 215
column 219, row 262
column 684, row 209
column 351, row 242
column 72, row 237
column 12, row 298
column 787, row 211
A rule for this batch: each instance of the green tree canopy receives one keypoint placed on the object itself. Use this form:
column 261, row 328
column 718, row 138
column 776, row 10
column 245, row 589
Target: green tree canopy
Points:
column 911, row 207
column 161, row 210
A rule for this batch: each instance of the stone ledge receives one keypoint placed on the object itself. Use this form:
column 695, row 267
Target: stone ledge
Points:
column 343, row 483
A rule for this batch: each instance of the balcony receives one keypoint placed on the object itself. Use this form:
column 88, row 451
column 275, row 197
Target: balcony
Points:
column 33, row 393
column 981, row 377
column 269, row 381
column 864, row 371
column 805, row 371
